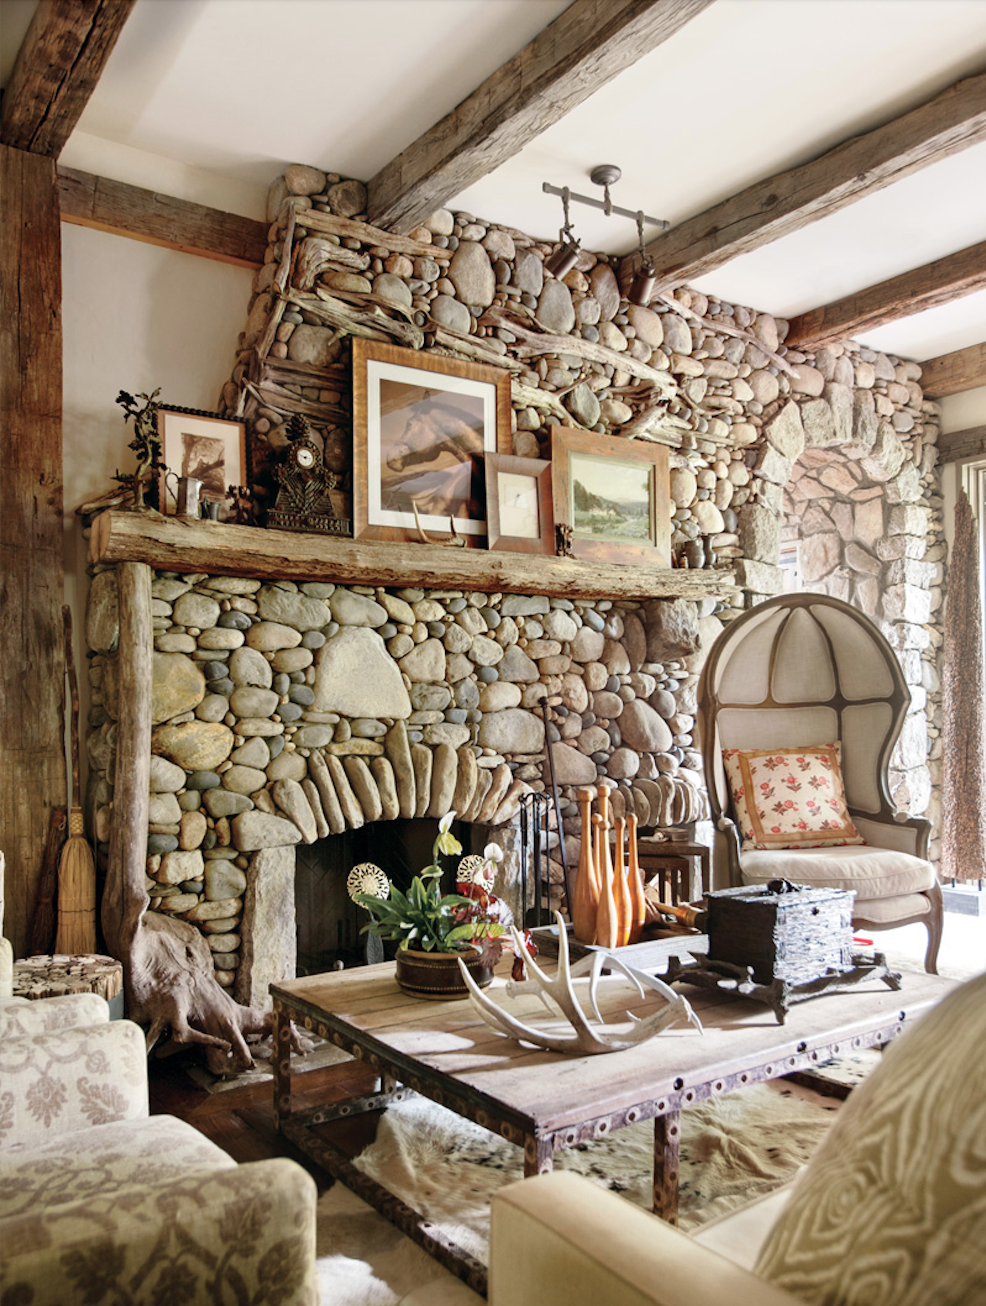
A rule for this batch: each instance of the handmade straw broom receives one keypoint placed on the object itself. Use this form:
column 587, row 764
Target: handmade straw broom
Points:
column 76, row 870
column 43, row 924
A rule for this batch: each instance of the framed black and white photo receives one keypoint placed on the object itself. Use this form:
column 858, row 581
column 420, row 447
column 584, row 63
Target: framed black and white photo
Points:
column 203, row 447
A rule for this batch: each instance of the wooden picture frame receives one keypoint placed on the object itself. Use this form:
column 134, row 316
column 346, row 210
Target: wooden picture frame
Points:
column 422, row 425
column 614, row 494
column 519, row 511
column 210, row 448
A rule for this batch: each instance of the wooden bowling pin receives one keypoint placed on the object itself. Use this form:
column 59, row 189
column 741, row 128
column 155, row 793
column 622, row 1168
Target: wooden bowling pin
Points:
column 621, row 888
column 585, row 895
column 607, row 915
column 635, row 882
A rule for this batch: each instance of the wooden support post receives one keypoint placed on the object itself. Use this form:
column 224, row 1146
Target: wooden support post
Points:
column 32, row 668
column 124, row 897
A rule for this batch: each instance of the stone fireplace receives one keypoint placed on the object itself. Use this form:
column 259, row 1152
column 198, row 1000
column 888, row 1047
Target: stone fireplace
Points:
column 286, row 713
column 304, row 689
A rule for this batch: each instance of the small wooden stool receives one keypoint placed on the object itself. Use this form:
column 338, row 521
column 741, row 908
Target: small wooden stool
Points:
column 672, row 861
column 52, row 976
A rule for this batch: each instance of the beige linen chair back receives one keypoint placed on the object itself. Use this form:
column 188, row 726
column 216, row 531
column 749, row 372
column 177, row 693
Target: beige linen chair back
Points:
column 805, row 669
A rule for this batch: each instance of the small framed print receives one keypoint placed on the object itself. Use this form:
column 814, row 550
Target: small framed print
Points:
column 422, row 427
column 519, row 513
column 614, row 494
column 203, row 447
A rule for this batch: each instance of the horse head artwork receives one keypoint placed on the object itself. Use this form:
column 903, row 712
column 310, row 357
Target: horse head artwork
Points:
column 434, row 464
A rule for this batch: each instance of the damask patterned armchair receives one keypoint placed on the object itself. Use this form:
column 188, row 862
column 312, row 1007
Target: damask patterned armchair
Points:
column 102, row 1203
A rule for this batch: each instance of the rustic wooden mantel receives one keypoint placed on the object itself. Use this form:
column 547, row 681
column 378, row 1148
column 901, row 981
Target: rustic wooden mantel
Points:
column 172, row 544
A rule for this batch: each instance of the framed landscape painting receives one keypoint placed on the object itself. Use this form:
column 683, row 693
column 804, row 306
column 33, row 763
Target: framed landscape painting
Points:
column 614, row 494
column 422, row 427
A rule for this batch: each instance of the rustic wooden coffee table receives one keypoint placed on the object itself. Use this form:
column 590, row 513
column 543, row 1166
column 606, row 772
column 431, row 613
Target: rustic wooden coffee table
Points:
column 544, row 1102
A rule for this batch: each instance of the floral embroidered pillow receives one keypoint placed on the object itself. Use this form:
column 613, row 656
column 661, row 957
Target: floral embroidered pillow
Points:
column 790, row 798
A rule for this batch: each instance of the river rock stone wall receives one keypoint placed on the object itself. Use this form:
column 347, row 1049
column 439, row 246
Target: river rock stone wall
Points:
column 743, row 415
column 283, row 713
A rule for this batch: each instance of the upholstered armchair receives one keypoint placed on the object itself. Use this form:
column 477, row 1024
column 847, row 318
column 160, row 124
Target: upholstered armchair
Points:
column 806, row 670
column 102, row 1203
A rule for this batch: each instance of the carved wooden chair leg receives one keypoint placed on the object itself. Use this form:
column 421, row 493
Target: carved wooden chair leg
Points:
column 934, row 923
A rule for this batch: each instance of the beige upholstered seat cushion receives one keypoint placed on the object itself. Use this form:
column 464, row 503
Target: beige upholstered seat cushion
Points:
column 872, row 872
column 101, row 1160
column 892, row 1208
column 209, row 1237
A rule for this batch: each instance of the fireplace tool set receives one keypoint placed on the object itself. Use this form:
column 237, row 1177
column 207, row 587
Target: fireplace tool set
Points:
column 535, row 809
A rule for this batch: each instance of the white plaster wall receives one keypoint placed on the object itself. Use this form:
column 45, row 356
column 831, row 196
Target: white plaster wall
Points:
column 135, row 317
column 959, row 412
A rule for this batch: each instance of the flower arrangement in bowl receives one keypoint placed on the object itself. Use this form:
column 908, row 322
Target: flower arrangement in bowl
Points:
column 433, row 930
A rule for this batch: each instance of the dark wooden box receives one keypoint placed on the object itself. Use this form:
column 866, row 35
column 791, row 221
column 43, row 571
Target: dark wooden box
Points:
column 796, row 935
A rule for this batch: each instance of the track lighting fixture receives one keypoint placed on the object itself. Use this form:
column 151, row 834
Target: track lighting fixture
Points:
column 563, row 258
column 642, row 286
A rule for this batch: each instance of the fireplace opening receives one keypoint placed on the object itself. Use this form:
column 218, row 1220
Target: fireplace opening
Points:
column 329, row 923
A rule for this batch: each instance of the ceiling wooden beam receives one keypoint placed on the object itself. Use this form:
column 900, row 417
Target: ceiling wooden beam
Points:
column 584, row 48
column 769, row 209
column 951, row 374
column 912, row 292
column 57, row 68
column 969, row 443
column 106, row 205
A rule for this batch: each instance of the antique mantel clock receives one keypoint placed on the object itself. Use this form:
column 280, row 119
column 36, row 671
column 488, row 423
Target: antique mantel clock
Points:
column 303, row 502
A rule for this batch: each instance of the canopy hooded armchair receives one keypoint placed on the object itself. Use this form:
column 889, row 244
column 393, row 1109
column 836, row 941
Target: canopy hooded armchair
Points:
column 801, row 670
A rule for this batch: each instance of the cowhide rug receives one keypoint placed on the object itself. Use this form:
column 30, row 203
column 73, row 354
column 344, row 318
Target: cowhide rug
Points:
column 733, row 1149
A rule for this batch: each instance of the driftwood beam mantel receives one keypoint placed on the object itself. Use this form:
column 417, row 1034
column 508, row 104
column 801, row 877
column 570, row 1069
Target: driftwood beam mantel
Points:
column 170, row 544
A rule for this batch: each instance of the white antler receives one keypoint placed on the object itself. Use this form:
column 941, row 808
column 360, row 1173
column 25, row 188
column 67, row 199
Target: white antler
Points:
column 558, row 993
column 455, row 541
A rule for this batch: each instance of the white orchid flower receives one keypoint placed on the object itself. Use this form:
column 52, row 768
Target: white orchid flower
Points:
column 446, row 841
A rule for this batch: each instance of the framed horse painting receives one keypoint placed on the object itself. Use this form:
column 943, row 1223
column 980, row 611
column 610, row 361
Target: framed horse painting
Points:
column 422, row 426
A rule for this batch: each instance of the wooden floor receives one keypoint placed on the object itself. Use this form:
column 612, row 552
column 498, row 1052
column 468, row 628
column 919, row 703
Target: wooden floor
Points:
column 240, row 1119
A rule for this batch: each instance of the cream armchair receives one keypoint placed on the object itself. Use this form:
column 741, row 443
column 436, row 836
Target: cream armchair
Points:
column 102, row 1203
column 890, row 1210
column 806, row 669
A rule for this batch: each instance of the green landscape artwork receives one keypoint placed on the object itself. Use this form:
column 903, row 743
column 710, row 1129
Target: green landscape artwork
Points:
column 611, row 500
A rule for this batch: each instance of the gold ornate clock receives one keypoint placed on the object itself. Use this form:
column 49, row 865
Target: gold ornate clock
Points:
column 303, row 501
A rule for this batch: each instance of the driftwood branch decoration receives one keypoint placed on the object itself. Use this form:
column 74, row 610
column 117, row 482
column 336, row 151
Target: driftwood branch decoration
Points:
column 562, row 1002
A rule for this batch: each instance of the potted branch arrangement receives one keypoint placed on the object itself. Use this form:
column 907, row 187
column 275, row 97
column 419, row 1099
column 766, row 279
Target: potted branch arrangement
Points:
column 434, row 930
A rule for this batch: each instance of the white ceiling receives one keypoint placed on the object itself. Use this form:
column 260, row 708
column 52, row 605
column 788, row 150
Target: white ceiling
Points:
column 210, row 99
